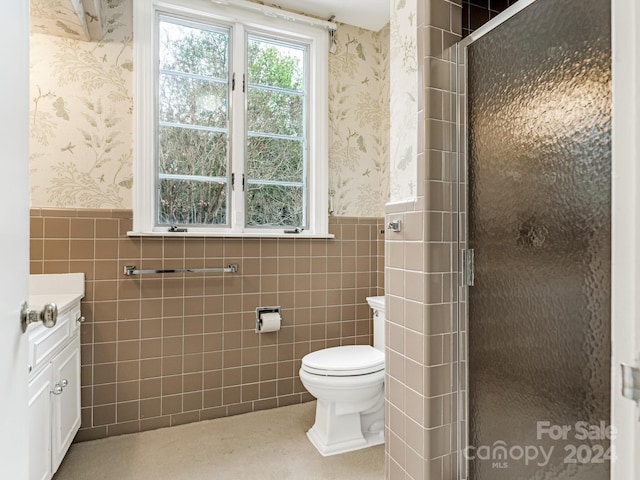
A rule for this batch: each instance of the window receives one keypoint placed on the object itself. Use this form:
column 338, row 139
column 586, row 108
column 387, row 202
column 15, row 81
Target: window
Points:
column 231, row 122
column 192, row 126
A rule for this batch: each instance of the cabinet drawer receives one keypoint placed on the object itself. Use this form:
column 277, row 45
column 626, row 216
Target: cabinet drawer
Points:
column 45, row 342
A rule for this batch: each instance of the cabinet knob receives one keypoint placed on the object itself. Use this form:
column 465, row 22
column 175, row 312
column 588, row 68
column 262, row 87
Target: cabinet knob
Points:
column 59, row 387
column 81, row 319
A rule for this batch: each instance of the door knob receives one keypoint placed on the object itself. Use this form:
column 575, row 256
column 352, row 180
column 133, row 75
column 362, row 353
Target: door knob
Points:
column 48, row 315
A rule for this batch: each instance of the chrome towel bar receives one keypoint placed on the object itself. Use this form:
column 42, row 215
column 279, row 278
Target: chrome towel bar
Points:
column 132, row 270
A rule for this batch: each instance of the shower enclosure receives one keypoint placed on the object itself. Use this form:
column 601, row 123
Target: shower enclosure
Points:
column 535, row 113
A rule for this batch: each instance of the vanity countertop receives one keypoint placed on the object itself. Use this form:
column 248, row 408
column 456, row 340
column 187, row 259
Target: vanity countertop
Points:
column 63, row 289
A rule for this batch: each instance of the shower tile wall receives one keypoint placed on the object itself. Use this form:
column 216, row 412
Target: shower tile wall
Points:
column 422, row 263
column 420, row 272
column 161, row 350
column 476, row 13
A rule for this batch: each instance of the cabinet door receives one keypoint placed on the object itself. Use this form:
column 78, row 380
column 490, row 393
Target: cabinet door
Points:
column 40, row 425
column 66, row 406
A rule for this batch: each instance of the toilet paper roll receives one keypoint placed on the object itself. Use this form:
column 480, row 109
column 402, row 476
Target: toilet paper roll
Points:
column 270, row 322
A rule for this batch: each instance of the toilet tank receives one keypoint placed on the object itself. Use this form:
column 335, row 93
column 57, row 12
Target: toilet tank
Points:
column 379, row 318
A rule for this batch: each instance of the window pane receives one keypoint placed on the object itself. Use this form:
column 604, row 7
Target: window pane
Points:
column 192, row 202
column 189, row 152
column 275, row 149
column 193, row 101
column 190, row 49
column 275, row 159
column 185, row 151
column 275, row 64
column 275, row 112
column 193, row 137
column 274, row 206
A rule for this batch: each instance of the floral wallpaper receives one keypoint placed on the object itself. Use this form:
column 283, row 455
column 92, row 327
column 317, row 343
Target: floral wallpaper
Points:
column 60, row 17
column 404, row 100
column 81, row 115
column 82, row 122
column 359, row 122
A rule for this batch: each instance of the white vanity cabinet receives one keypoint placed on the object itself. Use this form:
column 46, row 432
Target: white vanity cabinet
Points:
column 54, row 374
column 66, row 405
column 40, row 415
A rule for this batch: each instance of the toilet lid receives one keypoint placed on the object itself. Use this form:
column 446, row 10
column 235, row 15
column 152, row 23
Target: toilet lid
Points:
column 344, row 361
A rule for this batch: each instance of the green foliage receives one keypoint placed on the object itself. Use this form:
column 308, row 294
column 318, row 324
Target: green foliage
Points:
column 274, row 206
column 194, row 203
column 275, row 66
column 194, row 50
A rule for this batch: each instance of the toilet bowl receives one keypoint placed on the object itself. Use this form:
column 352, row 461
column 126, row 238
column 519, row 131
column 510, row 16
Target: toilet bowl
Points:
column 348, row 383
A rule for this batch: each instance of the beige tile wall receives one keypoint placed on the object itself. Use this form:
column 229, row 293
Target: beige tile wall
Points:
column 421, row 279
column 160, row 350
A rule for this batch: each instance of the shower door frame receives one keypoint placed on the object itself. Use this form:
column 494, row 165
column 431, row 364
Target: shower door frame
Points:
column 625, row 228
column 625, row 275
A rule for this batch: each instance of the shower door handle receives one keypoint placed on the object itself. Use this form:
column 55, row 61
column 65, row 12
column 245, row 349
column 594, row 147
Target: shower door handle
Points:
column 631, row 382
column 468, row 267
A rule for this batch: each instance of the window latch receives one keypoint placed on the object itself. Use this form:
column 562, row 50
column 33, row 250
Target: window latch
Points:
column 233, row 181
column 295, row 230
column 243, row 83
column 233, row 82
column 175, row 229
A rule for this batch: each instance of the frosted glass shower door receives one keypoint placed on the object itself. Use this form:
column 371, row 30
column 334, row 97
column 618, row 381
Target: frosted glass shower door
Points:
column 538, row 113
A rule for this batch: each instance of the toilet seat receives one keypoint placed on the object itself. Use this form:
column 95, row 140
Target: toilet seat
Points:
column 346, row 361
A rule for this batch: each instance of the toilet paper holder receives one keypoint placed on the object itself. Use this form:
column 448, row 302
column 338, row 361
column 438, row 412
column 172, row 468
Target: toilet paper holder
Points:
column 262, row 310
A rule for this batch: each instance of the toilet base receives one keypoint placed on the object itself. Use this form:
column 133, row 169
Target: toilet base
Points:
column 367, row 440
column 333, row 433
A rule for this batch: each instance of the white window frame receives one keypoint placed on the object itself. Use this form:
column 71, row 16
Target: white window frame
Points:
column 145, row 121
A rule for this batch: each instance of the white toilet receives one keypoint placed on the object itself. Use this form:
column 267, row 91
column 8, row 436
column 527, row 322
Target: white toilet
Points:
column 349, row 385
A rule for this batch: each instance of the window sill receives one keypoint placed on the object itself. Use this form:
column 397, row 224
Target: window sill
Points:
column 232, row 235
